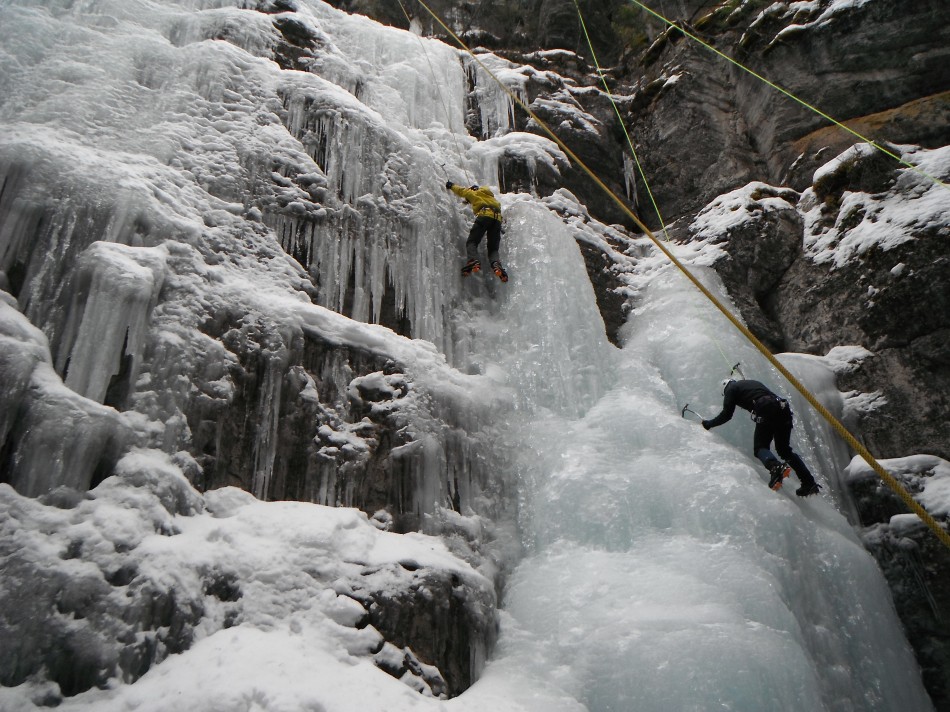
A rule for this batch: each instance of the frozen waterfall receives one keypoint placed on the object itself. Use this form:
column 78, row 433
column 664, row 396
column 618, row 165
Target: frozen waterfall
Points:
column 663, row 573
column 170, row 195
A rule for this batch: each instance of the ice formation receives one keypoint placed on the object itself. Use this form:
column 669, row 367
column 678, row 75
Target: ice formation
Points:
column 199, row 239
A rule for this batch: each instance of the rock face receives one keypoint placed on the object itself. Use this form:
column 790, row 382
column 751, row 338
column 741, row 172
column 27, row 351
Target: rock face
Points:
column 915, row 564
column 707, row 126
column 437, row 618
column 894, row 302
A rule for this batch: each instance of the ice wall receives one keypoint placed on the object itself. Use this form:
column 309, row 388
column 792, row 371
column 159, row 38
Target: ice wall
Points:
column 516, row 332
column 159, row 170
column 412, row 81
column 150, row 155
column 664, row 573
column 375, row 231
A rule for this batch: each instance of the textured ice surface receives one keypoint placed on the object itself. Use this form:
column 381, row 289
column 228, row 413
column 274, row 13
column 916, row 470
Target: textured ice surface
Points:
column 155, row 150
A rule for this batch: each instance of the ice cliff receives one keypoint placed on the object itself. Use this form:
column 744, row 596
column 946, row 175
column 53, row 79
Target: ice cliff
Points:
column 262, row 447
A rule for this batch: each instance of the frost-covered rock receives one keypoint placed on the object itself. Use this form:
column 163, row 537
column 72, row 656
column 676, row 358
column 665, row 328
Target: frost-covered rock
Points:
column 875, row 269
column 759, row 229
column 102, row 588
column 912, row 559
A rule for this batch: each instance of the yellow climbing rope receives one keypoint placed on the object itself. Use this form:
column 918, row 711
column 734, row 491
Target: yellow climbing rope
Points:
column 888, row 479
column 791, row 96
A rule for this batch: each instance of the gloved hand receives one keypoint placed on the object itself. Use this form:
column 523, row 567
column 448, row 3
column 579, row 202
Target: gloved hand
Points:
column 706, row 424
column 448, row 185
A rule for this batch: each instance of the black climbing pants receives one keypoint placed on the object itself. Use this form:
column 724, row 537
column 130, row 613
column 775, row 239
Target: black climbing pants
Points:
column 775, row 423
column 484, row 224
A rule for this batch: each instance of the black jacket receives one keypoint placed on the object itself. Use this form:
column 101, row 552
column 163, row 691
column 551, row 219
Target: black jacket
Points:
column 739, row 393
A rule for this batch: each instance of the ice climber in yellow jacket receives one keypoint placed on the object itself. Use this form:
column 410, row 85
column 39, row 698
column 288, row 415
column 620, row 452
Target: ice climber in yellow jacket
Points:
column 487, row 211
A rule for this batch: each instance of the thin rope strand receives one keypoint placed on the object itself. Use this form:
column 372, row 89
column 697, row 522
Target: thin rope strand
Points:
column 636, row 158
column 633, row 151
column 791, row 96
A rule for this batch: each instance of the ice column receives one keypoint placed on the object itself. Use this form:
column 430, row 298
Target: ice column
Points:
column 495, row 105
column 265, row 448
column 50, row 435
column 116, row 288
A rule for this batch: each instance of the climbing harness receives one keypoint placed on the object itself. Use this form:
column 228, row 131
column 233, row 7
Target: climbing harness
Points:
column 764, row 401
column 888, row 479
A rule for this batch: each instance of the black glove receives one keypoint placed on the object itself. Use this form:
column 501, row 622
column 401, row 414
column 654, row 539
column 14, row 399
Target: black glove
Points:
column 449, row 184
column 706, row 424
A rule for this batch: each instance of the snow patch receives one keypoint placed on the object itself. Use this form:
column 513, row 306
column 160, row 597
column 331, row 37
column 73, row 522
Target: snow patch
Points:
column 926, row 476
column 862, row 222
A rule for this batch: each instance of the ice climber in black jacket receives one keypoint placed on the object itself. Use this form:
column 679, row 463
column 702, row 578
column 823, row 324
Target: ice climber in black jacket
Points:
column 773, row 420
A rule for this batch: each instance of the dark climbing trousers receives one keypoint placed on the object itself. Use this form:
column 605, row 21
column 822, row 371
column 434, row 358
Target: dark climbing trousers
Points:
column 775, row 423
column 484, row 224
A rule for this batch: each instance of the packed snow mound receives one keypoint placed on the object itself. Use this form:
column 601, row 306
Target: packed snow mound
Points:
column 232, row 588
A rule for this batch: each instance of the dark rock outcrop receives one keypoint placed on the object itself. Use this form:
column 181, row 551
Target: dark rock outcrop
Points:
column 916, row 565
column 705, row 126
column 436, row 620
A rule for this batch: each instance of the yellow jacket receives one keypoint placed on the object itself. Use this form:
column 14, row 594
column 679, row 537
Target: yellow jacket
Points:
column 483, row 201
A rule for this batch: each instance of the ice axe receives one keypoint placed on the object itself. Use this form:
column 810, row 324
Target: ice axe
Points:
column 687, row 409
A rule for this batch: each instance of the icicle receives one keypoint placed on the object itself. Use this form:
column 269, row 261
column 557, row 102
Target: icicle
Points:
column 268, row 419
column 53, row 436
column 116, row 288
column 630, row 179
column 495, row 105
column 364, row 245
